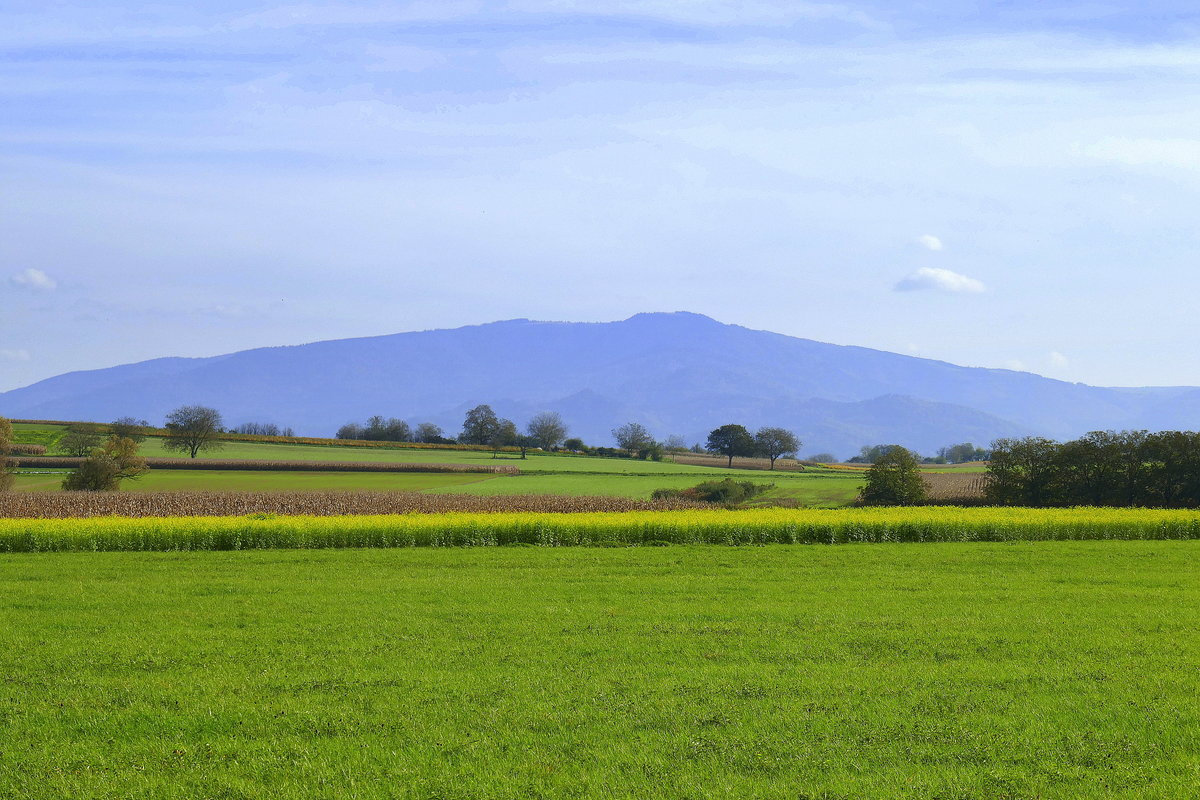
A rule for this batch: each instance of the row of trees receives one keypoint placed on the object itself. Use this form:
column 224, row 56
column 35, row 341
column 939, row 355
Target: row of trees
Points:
column 262, row 429
column 953, row 454
column 482, row 426
column 378, row 429
column 1103, row 468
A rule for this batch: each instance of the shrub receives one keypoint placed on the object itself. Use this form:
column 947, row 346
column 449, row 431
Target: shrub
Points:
column 106, row 467
column 894, row 479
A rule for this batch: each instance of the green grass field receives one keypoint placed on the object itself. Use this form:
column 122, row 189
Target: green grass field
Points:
column 542, row 473
column 805, row 488
column 1047, row 670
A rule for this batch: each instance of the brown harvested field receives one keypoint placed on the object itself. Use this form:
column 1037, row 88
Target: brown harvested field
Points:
column 60, row 505
column 721, row 462
column 279, row 466
column 26, row 450
column 955, row 487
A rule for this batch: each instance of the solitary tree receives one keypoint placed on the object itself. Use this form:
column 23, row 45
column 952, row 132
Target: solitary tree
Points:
column 675, row 444
column 129, row 428
column 480, row 425
column 632, row 437
column 191, row 429
column 547, row 430
column 105, row 468
column 730, row 440
column 894, row 479
column 775, row 442
column 6, row 437
column 79, row 440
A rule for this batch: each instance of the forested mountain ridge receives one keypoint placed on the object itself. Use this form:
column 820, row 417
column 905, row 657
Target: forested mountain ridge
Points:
column 677, row 373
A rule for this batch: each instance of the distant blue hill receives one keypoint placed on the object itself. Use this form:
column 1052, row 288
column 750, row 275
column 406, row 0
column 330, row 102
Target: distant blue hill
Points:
column 677, row 373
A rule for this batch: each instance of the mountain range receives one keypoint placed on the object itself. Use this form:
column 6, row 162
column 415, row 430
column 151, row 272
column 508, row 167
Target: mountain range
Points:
column 677, row 373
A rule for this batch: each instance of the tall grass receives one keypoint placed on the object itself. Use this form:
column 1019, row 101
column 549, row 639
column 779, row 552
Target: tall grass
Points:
column 748, row 527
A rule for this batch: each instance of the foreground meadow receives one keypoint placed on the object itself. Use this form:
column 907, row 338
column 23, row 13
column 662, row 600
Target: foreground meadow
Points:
column 1050, row 670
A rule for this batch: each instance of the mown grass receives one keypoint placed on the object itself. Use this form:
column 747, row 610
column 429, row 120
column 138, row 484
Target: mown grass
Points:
column 1049, row 670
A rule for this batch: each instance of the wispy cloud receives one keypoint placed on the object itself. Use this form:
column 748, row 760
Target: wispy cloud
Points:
column 34, row 279
column 942, row 280
column 930, row 242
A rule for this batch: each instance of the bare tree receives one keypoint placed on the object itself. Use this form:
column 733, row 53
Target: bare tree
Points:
column 547, row 430
column 192, row 429
column 632, row 437
column 129, row 428
column 80, row 439
column 428, row 433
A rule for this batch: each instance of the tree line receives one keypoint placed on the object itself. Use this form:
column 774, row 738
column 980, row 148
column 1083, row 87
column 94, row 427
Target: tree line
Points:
column 1102, row 468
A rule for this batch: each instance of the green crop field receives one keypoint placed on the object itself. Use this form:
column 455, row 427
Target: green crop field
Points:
column 542, row 473
column 1045, row 670
column 159, row 480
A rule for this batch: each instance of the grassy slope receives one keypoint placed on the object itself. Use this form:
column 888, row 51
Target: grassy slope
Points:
column 1055, row 670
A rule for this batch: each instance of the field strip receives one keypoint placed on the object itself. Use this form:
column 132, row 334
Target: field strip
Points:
column 455, row 529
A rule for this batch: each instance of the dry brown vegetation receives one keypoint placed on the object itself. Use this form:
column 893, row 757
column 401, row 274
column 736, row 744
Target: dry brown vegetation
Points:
column 27, row 450
column 54, row 462
column 721, row 462
column 60, row 505
column 955, row 488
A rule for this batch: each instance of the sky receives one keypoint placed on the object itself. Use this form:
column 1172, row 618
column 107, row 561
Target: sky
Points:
column 1009, row 184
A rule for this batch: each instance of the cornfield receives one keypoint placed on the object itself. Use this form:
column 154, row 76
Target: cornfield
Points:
column 64, row 505
column 26, row 449
column 455, row 529
column 955, row 487
column 56, row 462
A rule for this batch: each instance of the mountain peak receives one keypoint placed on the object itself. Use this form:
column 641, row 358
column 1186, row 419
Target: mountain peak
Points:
column 673, row 317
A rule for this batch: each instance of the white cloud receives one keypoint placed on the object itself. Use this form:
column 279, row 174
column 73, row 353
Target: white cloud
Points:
column 942, row 280
column 34, row 279
column 1057, row 359
column 14, row 355
column 930, row 242
column 1015, row 364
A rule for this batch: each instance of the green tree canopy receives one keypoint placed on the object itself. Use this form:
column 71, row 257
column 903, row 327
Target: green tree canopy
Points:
column 773, row 443
column 894, row 479
column 105, row 468
column 480, row 425
column 731, row 440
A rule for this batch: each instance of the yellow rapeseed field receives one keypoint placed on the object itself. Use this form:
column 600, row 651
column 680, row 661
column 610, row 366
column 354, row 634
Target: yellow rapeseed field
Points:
column 730, row 527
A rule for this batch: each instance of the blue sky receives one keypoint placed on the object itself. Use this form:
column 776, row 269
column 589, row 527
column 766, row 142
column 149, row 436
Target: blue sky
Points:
column 1013, row 185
